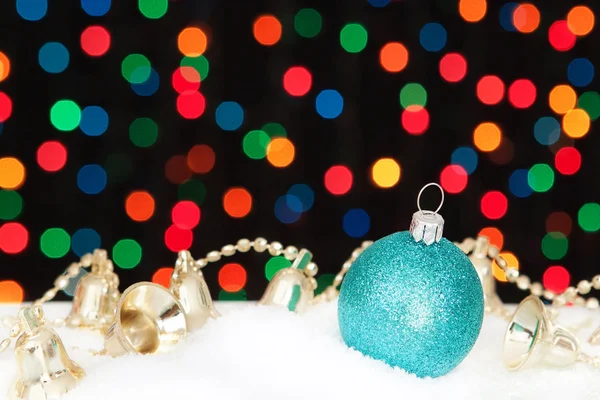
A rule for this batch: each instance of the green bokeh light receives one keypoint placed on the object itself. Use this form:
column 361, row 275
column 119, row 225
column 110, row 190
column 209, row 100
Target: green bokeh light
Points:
column 192, row 190
column 273, row 129
column 199, row 63
column 127, row 253
column 153, row 9
column 65, row 115
column 590, row 103
column 55, row 242
column 540, row 177
column 119, row 168
column 136, row 68
column 11, row 204
column 589, row 217
column 353, row 38
column 323, row 281
column 255, row 144
column 413, row 94
column 235, row 296
column 143, row 132
column 555, row 245
column 275, row 264
column 308, row 22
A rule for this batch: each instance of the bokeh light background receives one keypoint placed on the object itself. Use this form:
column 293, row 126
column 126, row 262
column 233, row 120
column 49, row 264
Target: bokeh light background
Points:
column 150, row 126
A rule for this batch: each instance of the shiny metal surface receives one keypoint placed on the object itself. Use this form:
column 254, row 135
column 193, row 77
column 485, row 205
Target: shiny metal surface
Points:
column 44, row 369
column 291, row 287
column 190, row 288
column 483, row 265
column 96, row 295
column 532, row 338
column 149, row 319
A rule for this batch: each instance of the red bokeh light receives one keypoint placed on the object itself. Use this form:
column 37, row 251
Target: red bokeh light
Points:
column 185, row 78
column 454, row 179
column 567, row 160
column 178, row 239
column 556, row 279
column 232, row 277
column 13, row 238
column 5, row 107
column 297, row 81
column 415, row 120
column 494, row 204
column 191, row 104
column 453, row 67
column 95, row 41
column 185, row 214
column 490, row 90
column 522, row 93
column 338, row 180
column 561, row 37
column 51, row 156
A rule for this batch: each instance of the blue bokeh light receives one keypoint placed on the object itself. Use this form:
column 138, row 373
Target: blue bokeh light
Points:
column 96, row 8
column 546, row 130
column 286, row 213
column 85, row 240
column 303, row 193
column 518, row 183
column 506, row 16
column 329, row 104
column 356, row 223
column 433, row 37
column 32, row 10
column 229, row 115
column 53, row 57
column 149, row 87
column 466, row 157
column 94, row 121
column 379, row 3
column 91, row 179
column 580, row 72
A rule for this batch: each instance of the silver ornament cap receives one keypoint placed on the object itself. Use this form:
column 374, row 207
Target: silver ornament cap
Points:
column 427, row 226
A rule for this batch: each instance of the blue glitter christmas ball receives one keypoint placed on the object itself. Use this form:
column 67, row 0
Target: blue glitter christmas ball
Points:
column 411, row 305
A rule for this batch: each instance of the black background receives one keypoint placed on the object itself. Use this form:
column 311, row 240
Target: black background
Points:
column 244, row 71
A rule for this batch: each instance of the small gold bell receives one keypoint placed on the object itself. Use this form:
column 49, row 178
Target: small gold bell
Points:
column 483, row 265
column 45, row 371
column 533, row 338
column 292, row 287
column 96, row 295
column 190, row 288
column 148, row 320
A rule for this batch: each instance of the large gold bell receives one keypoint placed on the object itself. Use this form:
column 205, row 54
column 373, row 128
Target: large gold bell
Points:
column 483, row 266
column 96, row 295
column 291, row 287
column 533, row 338
column 45, row 371
column 148, row 320
column 190, row 288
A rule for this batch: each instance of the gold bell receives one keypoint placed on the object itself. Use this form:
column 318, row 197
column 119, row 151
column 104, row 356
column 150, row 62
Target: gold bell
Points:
column 45, row 370
column 96, row 295
column 483, row 265
column 533, row 338
column 292, row 287
column 190, row 288
column 148, row 320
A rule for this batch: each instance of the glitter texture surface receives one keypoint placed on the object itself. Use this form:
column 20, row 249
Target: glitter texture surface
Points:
column 410, row 305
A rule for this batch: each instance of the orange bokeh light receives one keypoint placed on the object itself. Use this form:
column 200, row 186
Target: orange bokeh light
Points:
column 162, row 276
column 237, row 202
column 472, row 10
column 580, row 20
column 192, row 42
column 11, row 292
column 393, row 57
column 526, row 18
column 4, row 66
column 267, row 30
column 139, row 206
column 494, row 236
column 232, row 277
column 512, row 261
column 280, row 152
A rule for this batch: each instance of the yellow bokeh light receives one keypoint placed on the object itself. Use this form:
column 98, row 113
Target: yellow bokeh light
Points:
column 280, row 152
column 487, row 136
column 576, row 123
column 386, row 172
column 192, row 42
column 12, row 173
column 562, row 99
column 580, row 20
column 511, row 260
column 472, row 10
